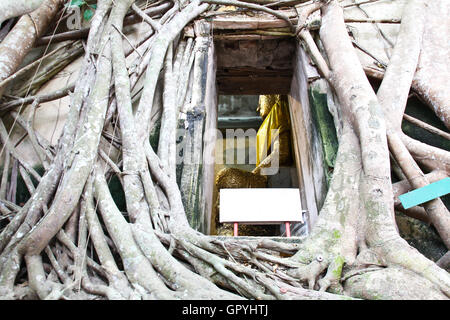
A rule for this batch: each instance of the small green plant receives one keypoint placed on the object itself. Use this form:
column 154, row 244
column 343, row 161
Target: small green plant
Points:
column 87, row 9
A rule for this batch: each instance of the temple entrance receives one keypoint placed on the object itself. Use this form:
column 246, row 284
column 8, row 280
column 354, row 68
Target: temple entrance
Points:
column 230, row 75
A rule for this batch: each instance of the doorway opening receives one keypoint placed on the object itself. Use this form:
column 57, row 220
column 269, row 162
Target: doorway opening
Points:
column 242, row 123
column 246, row 72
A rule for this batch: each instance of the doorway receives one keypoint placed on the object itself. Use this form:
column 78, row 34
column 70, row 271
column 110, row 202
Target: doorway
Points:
column 235, row 71
column 239, row 122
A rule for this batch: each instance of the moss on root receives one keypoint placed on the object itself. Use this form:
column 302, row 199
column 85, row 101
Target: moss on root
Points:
column 324, row 122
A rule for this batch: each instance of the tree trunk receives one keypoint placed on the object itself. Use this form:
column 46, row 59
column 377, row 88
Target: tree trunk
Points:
column 21, row 38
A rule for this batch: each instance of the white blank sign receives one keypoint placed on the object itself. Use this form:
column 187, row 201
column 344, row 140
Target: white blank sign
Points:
column 260, row 206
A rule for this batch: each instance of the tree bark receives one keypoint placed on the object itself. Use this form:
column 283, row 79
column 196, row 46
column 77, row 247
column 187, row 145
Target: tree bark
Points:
column 21, row 38
column 11, row 9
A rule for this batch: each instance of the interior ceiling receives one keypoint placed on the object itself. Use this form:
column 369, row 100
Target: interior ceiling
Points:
column 254, row 66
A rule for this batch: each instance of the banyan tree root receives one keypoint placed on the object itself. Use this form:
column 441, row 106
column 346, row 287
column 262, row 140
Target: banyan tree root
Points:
column 70, row 239
column 11, row 9
column 380, row 237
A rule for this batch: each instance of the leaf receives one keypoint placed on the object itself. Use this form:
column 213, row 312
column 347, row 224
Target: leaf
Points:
column 76, row 3
column 88, row 14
